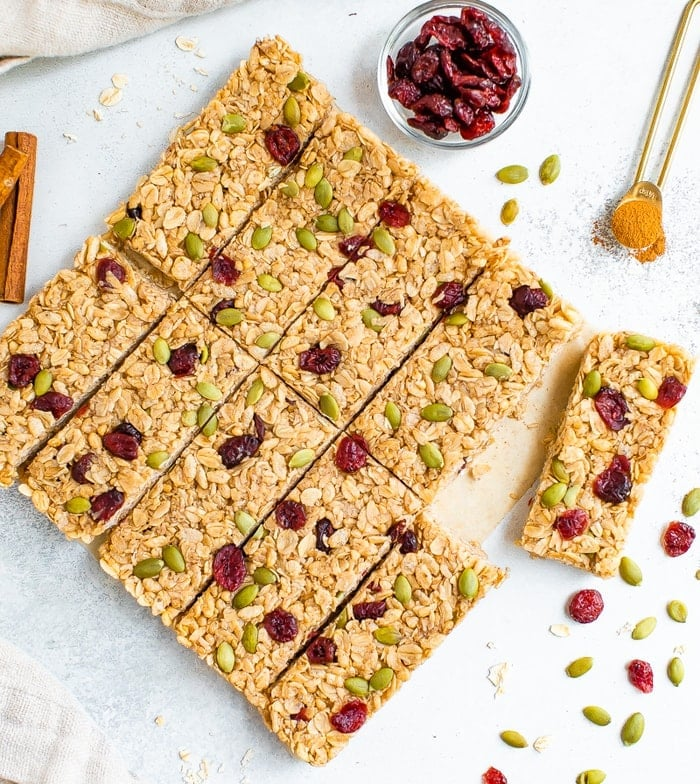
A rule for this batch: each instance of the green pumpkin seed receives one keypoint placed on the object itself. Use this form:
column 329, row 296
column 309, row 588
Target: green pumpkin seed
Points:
column 229, row 317
column 203, row 163
column 161, row 351
column 257, row 388
column 579, row 667
column 592, row 383
column 157, row 459
column 173, row 558
column 77, row 505
column 149, row 567
column 550, row 169
column 456, row 320
column 676, row 671
column 244, row 522
column 327, row 223
column 402, row 590
column 291, row 112
column 509, row 212
column 644, row 628
column 372, row 320
column 597, row 715
column 314, row 175
column 387, row 635
column 250, row 638
column 209, row 391
column 548, row 290
column 324, row 309
column 203, row 413
column 559, row 470
column 204, row 354
column 691, row 502
column 210, row 427
column 301, row 458
column 571, row 496
column 640, row 342
column 329, row 406
column 225, row 657
column 267, row 339
column 431, row 456
column 233, row 123
column 306, row 239
column 357, row 686
column 194, row 247
column 437, row 412
column 261, row 237
column 42, row 382
column 346, row 223
column 513, row 739
column 264, row 576
column 383, row 241
column 393, row 415
column 323, row 194
column 381, row 679
column 647, row 388
column 290, row 189
column 498, row 371
column 189, row 418
column 441, row 369
column 553, row 495
column 210, row 215
column 632, row 729
column 353, row 154
column 512, row 175
column 300, row 82
column 124, row 229
column 245, row 596
column 342, row 620
column 269, row 283
column 630, row 571
column 593, row 776
column 677, row 611
column 468, row 584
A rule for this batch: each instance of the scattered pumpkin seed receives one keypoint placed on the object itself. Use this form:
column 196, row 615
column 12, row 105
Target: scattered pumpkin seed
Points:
column 290, row 189
column 437, row 412
column 592, row 383
column 173, row 558
column 157, row 459
column 324, row 309
column 593, row 776
column 203, row 163
column 402, row 590
column 353, row 154
column 387, row 635
column 640, row 342
column 431, row 456
column 233, row 123
column 579, row 667
column 383, row 241
column 261, row 237
column 244, row 522
column 676, row 671
column 393, row 415
column 512, row 175
column 267, row 339
column 291, row 112
column 597, row 715
column 546, row 287
column 229, row 317
column 77, row 505
column 210, row 427
column 357, row 686
column 644, row 628
column 381, row 679
column 677, row 611
column 513, row 739
column 42, row 382
column 257, row 388
column 204, row 354
column 264, row 576
column 498, row 371
column 346, row 223
column 210, row 215
column 647, row 388
column 456, row 319
column 189, row 418
column 441, row 369
column 468, row 584
column 306, row 239
column 149, row 567
column 194, row 247
column 509, row 212
column 314, row 175
column 208, row 391
column 559, row 470
column 269, row 283
column 550, row 169
column 323, row 194
column 571, row 496
column 225, row 657
column 301, row 458
column 630, row 571
column 327, row 223
column 691, row 502
column 632, row 729
column 300, row 82
column 329, row 406
column 124, row 229
column 250, row 638
column 245, row 596
column 553, row 495
column 372, row 320
column 342, row 620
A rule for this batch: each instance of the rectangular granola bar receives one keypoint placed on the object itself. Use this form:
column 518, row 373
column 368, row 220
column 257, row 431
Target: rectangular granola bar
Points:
column 595, row 474
column 475, row 368
column 402, row 613
column 200, row 505
column 319, row 544
column 219, row 167
column 136, row 425
column 75, row 329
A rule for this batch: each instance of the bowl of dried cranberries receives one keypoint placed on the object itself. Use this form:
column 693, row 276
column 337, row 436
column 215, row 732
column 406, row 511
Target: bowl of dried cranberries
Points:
column 454, row 74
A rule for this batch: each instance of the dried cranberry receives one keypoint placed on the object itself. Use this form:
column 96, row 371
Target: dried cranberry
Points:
column 324, row 529
column 282, row 143
column 482, row 124
column 228, row 567
column 290, row 515
column 334, row 277
column 354, row 247
column 677, row 538
column 351, row 454
column 371, row 610
column 103, row 506
column 108, row 266
column 448, row 295
column 374, row 587
column 281, row 625
column 641, row 675
column 322, row 651
column 526, row 299
column 425, row 66
column 134, row 212
column 320, row 360
column 434, row 104
column 350, row 717
column 221, row 305
column 493, row 776
column 571, row 523
column 409, row 542
column 427, row 124
column 671, row 392
column 405, row 59
column 397, row 531
column 21, row 370
column 81, row 466
column 614, row 484
column 129, row 430
column 612, row 407
column 405, row 92
column 183, row 360
column 301, row 715
column 236, row 449
column 586, row 606
column 121, row 445
column 223, row 270
column 390, row 70
column 445, row 29
column 54, row 402
column 394, row 214
column 463, row 112
column 387, row 308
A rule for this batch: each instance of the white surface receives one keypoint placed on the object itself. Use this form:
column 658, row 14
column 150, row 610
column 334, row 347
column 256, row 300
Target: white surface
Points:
column 595, row 68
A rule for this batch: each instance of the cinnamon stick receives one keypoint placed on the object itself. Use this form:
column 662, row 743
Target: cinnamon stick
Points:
column 12, row 161
column 15, row 219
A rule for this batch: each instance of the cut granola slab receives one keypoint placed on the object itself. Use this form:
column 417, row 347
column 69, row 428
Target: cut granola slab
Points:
column 201, row 505
column 219, row 166
column 135, row 426
column 320, row 542
column 596, row 470
column 393, row 624
column 74, row 331
column 475, row 368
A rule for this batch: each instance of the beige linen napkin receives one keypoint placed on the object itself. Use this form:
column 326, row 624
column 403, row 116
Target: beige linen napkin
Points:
column 45, row 736
column 55, row 28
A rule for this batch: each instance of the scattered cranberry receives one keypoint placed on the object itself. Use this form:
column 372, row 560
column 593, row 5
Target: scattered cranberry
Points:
column 586, row 606
column 320, row 360
column 493, row 776
column 21, row 370
column 351, row 454
column 290, row 515
column 236, row 449
column 525, row 299
column 282, row 143
column 671, row 392
column 354, row 247
column 322, row 651
column 641, row 675
column 81, row 466
column 571, row 523
column 106, row 267
column 409, row 542
column 350, row 717
column 614, row 485
column 134, row 212
column 387, row 308
column 371, row 610
column 334, row 277
column 54, row 402
column 324, row 530
column 612, row 407
column 228, row 567
column 448, row 295
column 183, row 360
column 677, row 538
column 281, row 625
column 121, row 445
column 223, row 270
column 394, row 214
column 301, row 715
column 103, row 506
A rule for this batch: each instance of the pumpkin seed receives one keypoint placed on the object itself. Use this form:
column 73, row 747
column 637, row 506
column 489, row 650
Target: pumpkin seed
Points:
column 250, row 638
column 204, row 354
column 203, row 163
column 571, row 496
column 372, row 320
column 593, row 776
column 644, row 628
column 383, row 241
column 314, row 175
column 301, row 458
column 456, row 319
column 161, row 351
column 267, row 339
column 124, row 229
column 441, row 369
column 157, row 459
column 468, row 584
column 261, row 237
column 647, row 388
column 381, row 679
column 324, row 309
column 579, row 667
column 245, row 596
column 291, row 112
column 393, row 415
column 149, row 567
column 640, row 342
column 431, row 456
column 306, row 239
column 597, row 715
column 387, row 635
column 323, row 194
column 264, row 576
column 229, row 317
column 691, row 502
column 329, row 406
column 42, row 382
column 300, row 82
column 244, row 522
column 357, row 686
column 77, row 505
column 209, row 391
column 210, row 427
column 592, row 383
column 327, row 223
column 553, row 495
column 677, row 611
column 194, row 247
column 512, row 175
column 402, row 590
column 676, row 671
column 269, row 283
column 225, row 657
column 550, row 169
column 257, row 388
column 233, row 123
column 498, row 371
column 632, row 729
column 509, row 212
column 437, row 412
column 346, row 223
column 290, row 189
column 189, row 418
column 513, row 739
column 210, row 215
column 630, row 571
column 173, row 558
column 342, row 620
column 559, row 470
column 548, row 290
column 353, row 154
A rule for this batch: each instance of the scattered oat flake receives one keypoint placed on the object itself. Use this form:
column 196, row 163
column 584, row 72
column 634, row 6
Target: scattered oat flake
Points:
column 120, row 80
column 679, row 650
column 184, row 755
column 159, row 720
column 200, row 53
column 194, row 88
column 97, row 114
column 201, row 71
column 186, row 44
column 70, row 137
column 559, row 630
column 110, row 96
column 25, row 490
column 541, row 743
column 497, row 675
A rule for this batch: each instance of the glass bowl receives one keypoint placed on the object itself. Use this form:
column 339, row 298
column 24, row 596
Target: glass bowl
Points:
column 408, row 28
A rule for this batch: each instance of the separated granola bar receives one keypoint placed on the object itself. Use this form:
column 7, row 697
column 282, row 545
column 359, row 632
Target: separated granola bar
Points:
column 616, row 422
column 74, row 331
column 401, row 614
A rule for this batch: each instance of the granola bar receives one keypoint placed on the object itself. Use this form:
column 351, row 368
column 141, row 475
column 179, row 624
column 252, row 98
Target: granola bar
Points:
column 616, row 422
column 136, row 425
column 401, row 614
column 440, row 408
column 320, row 542
column 200, row 505
column 215, row 173
column 74, row 330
